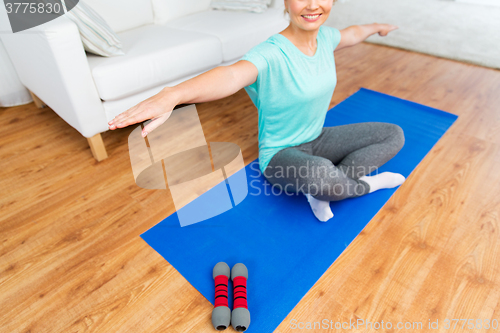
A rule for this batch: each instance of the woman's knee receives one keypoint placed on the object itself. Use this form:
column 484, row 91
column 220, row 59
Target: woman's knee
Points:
column 397, row 136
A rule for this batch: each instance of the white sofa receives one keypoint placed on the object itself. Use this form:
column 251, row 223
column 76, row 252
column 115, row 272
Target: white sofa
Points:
column 12, row 91
column 165, row 42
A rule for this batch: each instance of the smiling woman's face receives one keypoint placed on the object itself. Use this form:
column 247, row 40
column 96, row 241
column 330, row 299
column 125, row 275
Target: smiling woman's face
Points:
column 308, row 14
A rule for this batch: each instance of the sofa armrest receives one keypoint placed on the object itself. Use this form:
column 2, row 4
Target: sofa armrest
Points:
column 51, row 62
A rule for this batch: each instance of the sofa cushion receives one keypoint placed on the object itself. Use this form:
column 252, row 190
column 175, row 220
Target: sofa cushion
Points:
column 153, row 55
column 237, row 31
column 166, row 10
column 123, row 15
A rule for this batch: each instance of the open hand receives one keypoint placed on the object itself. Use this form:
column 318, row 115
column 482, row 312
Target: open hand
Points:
column 158, row 108
column 386, row 28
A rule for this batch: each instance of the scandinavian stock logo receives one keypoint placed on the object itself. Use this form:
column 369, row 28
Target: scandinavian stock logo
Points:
column 204, row 179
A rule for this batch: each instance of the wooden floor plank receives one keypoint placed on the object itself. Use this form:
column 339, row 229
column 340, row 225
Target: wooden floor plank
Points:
column 72, row 260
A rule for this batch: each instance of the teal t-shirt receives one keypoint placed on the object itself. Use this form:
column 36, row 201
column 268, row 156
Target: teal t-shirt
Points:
column 293, row 90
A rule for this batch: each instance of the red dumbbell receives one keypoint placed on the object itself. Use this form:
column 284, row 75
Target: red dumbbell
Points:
column 240, row 317
column 221, row 314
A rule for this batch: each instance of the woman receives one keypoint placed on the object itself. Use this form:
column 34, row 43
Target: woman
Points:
column 290, row 78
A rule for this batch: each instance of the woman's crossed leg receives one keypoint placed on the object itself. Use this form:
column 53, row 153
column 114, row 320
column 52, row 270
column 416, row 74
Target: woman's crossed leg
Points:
column 334, row 166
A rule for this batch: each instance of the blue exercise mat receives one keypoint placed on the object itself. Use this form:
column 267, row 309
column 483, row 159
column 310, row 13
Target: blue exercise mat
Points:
column 285, row 248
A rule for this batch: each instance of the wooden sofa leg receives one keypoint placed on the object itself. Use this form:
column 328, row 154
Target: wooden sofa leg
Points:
column 97, row 147
column 38, row 102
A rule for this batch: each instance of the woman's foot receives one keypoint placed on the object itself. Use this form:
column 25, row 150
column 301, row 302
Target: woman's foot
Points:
column 383, row 180
column 321, row 209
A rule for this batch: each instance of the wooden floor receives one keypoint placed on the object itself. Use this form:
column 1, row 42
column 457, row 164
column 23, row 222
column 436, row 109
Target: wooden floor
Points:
column 71, row 259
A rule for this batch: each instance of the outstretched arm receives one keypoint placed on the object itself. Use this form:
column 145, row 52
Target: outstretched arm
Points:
column 355, row 34
column 214, row 84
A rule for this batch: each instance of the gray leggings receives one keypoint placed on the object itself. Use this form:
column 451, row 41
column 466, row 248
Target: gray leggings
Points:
column 328, row 167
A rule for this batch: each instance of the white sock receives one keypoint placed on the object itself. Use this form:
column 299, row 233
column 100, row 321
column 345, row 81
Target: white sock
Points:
column 383, row 180
column 321, row 209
